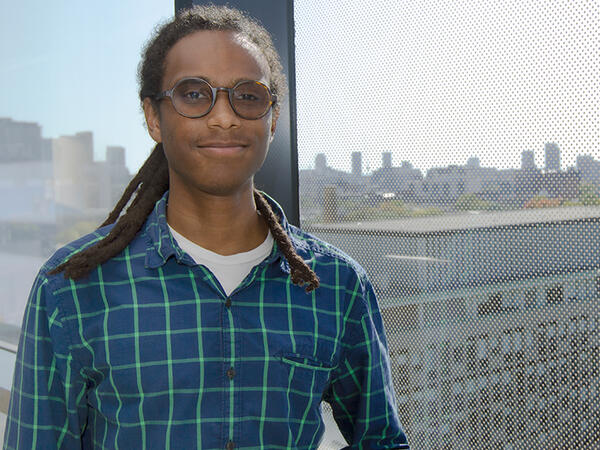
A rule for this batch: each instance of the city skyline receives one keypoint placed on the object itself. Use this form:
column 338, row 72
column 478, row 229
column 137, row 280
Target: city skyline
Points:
column 436, row 81
column 497, row 80
column 527, row 162
column 71, row 74
column 60, row 177
column 532, row 160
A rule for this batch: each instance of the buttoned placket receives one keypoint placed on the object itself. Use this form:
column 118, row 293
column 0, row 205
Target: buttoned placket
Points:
column 230, row 345
column 231, row 351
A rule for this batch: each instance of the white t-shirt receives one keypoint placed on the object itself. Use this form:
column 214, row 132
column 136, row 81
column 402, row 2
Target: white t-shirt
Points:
column 230, row 270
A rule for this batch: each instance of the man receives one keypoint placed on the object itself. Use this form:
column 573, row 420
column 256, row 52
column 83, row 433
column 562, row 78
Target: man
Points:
column 201, row 318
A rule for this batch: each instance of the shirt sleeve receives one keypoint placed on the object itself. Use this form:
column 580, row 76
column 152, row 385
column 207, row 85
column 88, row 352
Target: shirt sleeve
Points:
column 361, row 393
column 47, row 405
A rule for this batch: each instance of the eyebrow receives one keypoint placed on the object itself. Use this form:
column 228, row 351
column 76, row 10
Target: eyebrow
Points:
column 231, row 82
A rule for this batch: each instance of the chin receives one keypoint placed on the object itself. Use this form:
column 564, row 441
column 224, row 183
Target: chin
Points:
column 226, row 189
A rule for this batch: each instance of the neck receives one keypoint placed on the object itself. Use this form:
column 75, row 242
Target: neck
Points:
column 224, row 224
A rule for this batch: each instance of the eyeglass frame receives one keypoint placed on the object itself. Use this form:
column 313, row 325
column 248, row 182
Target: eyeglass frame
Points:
column 215, row 90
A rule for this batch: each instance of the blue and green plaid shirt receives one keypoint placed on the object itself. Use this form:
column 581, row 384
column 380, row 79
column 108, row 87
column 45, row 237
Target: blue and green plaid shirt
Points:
column 149, row 352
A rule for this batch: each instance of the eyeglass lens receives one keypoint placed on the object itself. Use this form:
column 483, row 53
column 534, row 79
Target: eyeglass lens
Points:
column 194, row 98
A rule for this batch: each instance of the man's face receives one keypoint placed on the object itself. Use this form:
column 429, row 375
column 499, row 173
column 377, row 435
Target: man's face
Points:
column 219, row 153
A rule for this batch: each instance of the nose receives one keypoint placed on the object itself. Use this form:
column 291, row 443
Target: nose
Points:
column 222, row 114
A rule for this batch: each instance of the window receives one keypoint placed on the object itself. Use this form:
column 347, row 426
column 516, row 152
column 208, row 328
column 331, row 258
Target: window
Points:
column 452, row 149
column 71, row 134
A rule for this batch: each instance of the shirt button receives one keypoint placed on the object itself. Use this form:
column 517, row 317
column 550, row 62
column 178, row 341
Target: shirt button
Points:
column 228, row 303
column 231, row 374
column 230, row 445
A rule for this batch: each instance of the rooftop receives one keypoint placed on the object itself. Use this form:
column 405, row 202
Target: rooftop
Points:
column 466, row 221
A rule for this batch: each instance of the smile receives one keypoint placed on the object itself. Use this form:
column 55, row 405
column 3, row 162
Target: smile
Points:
column 222, row 148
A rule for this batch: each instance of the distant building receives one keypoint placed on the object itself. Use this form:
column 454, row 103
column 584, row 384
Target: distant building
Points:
column 82, row 184
column 50, row 185
column 319, row 185
column 320, row 162
column 528, row 183
column 386, row 160
column 118, row 173
column 73, row 158
column 552, row 155
column 115, row 156
column 473, row 162
column 22, row 141
column 444, row 185
column 564, row 185
column 589, row 169
column 357, row 164
column 527, row 160
column 404, row 180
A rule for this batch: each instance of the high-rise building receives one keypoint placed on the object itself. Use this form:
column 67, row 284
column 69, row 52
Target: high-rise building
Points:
column 473, row 162
column 117, row 177
column 357, row 164
column 73, row 158
column 22, row 141
column 386, row 160
column 320, row 162
column 589, row 169
column 527, row 160
column 552, row 153
column 115, row 155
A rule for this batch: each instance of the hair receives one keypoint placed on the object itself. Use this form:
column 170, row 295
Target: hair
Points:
column 205, row 18
column 152, row 180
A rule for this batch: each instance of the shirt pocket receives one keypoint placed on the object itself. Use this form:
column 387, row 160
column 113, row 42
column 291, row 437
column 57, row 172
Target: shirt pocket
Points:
column 306, row 362
column 307, row 375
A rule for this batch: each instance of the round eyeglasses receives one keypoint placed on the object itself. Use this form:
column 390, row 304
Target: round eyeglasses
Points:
column 195, row 97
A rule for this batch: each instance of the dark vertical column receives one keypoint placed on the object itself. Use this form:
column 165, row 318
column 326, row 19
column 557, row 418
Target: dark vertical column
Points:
column 279, row 175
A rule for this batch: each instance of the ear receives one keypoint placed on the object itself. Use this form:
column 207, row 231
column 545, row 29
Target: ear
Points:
column 152, row 120
column 274, row 123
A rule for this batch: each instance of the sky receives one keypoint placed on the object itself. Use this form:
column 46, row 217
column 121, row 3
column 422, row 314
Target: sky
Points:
column 434, row 82
column 71, row 66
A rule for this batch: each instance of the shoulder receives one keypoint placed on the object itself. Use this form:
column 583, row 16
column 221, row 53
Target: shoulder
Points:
column 64, row 253
column 70, row 295
column 312, row 248
column 338, row 272
column 135, row 251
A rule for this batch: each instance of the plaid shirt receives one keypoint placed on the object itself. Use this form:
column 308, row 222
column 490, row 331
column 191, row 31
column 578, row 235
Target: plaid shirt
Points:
column 148, row 352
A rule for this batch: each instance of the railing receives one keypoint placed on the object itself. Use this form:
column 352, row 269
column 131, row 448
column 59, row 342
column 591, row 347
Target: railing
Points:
column 9, row 340
column 4, row 398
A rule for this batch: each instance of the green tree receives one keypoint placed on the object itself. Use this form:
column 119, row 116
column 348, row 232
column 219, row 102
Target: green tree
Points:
column 470, row 202
column 588, row 195
column 387, row 209
column 75, row 231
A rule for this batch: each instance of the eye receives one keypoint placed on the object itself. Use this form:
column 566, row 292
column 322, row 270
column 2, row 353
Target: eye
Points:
column 194, row 95
column 246, row 97
column 193, row 91
column 250, row 92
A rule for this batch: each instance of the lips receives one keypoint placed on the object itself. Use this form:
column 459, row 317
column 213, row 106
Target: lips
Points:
column 222, row 144
column 221, row 148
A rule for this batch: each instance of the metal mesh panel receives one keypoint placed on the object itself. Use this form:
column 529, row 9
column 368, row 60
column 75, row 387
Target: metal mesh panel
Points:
column 453, row 150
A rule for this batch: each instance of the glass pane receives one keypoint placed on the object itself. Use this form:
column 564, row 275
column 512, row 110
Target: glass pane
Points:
column 453, row 150
column 71, row 127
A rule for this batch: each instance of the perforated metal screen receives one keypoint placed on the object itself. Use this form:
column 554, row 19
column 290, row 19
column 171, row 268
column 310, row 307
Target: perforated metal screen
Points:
column 453, row 150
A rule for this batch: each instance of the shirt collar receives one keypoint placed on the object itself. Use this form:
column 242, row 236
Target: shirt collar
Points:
column 160, row 244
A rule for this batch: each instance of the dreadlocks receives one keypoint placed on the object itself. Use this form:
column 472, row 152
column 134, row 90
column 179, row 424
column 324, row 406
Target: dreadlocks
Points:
column 152, row 180
column 300, row 272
